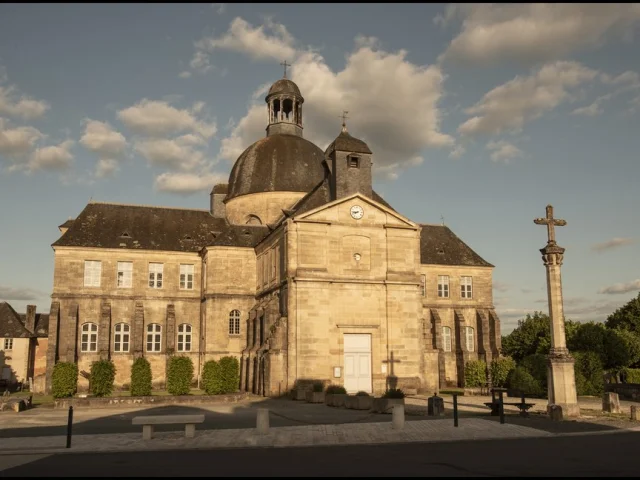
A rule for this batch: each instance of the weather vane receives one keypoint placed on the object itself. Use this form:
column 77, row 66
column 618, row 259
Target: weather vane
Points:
column 344, row 120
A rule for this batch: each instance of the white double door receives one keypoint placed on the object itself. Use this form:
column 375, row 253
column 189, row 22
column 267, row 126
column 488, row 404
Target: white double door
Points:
column 357, row 362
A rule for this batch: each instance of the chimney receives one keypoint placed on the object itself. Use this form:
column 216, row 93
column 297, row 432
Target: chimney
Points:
column 31, row 318
column 218, row 194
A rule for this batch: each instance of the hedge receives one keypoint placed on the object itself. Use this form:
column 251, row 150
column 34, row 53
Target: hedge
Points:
column 520, row 379
column 179, row 375
column 103, row 374
column 631, row 375
column 537, row 366
column 475, row 373
column 141, row 378
column 500, row 370
column 221, row 377
column 64, row 381
column 589, row 373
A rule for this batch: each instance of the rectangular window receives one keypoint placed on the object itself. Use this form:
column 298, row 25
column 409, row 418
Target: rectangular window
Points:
column 465, row 287
column 155, row 275
column 469, row 339
column 125, row 274
column 423, row 285
column 92, row 273
column 446, row 339
column 186, row 277
column 8, row 343
column 443, row 286
column 354, row 162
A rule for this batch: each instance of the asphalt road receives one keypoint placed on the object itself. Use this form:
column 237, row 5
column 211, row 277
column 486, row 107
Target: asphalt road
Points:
column 593, row 455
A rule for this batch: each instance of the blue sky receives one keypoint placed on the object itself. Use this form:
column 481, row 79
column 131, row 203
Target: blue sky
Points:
column 481, row 114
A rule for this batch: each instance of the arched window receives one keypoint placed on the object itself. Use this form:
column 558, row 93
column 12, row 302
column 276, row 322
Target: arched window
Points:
column 89, row 339
column 154, row 337
column 234, row 322
column 184, row 338
column 121, row 337
column 469, row 339
column 446, row 339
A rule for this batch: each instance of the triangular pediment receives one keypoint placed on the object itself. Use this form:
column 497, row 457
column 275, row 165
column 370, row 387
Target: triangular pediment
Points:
column 369, row 212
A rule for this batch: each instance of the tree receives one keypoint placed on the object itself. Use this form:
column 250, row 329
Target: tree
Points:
column 532, row 335
column 622, row 348
column 626, row 317
column 589, row 337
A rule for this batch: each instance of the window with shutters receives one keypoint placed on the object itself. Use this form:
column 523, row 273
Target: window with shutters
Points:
column 92, row 273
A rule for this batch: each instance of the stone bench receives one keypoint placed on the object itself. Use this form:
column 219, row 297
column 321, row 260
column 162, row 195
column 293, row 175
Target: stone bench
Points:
column 147, row 422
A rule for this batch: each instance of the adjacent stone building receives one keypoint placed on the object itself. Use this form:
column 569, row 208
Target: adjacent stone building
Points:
column 23, row 347
column 298, row 268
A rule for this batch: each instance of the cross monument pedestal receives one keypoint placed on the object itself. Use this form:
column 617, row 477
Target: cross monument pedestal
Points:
column 561, row 377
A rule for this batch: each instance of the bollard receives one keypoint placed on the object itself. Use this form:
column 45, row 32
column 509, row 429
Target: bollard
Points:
column 397, row 417
column 634, row 412
column 262, row 424
column 501, row 408
column 69, row 425
column 455, row 409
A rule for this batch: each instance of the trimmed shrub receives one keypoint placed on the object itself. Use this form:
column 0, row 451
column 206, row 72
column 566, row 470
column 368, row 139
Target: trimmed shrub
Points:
column 394, row 393
column 537, row 366
column 336, row 390
column 211, row 378
column 103, row 374
column 179, row 375
column 64, row 381
column 523, row 381
column 475, row 373
column 500, row 370
column 631, row 375
column 230, row 374
column 141, row 378
column 589, row 373
column 318, row 387
column 362, row 394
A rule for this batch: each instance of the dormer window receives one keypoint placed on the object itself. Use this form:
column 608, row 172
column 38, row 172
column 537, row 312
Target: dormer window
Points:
column 124, row 235
column 353, row 162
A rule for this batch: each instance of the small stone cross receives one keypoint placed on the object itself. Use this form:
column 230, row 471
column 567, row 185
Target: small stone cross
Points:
column 285, row 64
column 550, row 222
column 344, row 120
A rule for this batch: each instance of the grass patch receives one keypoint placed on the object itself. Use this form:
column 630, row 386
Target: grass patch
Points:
column 451, row 391
column 37, row 398
column 156, row 393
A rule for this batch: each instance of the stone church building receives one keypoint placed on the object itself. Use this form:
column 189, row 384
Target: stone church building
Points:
column 298, row 268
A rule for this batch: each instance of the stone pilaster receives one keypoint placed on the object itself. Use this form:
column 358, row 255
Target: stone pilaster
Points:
column 484, row 337
column 437, row 328
column 460, row 345
column 72, row 334
column 52, row 344
column 137, row 340
column 170, row 336
column 104, row 333
column 496, row 337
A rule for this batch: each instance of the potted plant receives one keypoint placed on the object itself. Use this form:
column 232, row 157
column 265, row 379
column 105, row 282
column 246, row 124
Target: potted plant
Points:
column 335, row 396
column 393, row 396
column 317, row 394
column 363, row 401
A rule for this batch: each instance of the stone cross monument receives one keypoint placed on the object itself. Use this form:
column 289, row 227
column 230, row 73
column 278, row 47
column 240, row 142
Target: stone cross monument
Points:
column 560, row 374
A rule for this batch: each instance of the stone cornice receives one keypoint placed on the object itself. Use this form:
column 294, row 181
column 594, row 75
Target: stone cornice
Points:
column 55, row 296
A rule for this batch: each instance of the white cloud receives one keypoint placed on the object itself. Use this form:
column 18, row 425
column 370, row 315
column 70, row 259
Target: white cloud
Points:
column 106, row 167
column 457, row 152
column 17, row 142
column 172, row 153
column 593, row 109
column 187, row 183
column 392, row 104
column 24, row 107
column 503, row 151
column 534, row 32
column 200, row 62
column 611, row 244
column 101, row 138
column 185, row 74
column 158, row 118
column 629, row 79
column 618, row 288
column 269, row 41
column 53, row 157
column 509, row 106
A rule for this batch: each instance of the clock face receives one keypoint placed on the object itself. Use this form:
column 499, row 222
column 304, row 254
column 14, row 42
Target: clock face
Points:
column 357, row 212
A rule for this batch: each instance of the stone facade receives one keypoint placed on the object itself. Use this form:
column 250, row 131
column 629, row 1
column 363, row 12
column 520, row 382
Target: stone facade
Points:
column 298, row 260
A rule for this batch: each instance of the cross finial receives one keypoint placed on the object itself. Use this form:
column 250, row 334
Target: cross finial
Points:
column 550, row 222
column 344, row 120
column 442, row 219
column 285, row 64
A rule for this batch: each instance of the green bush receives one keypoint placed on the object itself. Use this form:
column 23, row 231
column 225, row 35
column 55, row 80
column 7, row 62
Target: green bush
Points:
column 362, row 394
column 537, row 366
column 475, row 373
column 141, row 378
column 393, row 393
column 179, row 375
column 589, row 373
column 523, row 381
column 318, row 387
column 64, row 381
column 500, row 370
column 103, row 374
column 211, row 378
column 230, row 374
column 336, row 390
column 631, row 375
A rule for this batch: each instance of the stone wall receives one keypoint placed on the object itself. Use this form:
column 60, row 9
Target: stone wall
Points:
column 17, row 359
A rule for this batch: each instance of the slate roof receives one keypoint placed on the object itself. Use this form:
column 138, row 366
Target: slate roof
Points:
column 241, row 236
column 346, row 143
column 12, row 324
column 67, row 224
column 440, row 246
column 109, row 225
column 277, row 163
column 220, row 188
column 286, row 86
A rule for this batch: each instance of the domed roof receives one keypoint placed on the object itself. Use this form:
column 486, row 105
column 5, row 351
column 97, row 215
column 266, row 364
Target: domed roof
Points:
column 284, row 85
column 277, row 163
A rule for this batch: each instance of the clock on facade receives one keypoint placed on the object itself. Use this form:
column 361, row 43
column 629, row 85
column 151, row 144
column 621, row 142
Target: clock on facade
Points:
column 357, row 212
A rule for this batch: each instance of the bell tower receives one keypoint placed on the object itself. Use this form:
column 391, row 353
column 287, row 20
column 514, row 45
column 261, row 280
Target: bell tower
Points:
column 284, row 103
